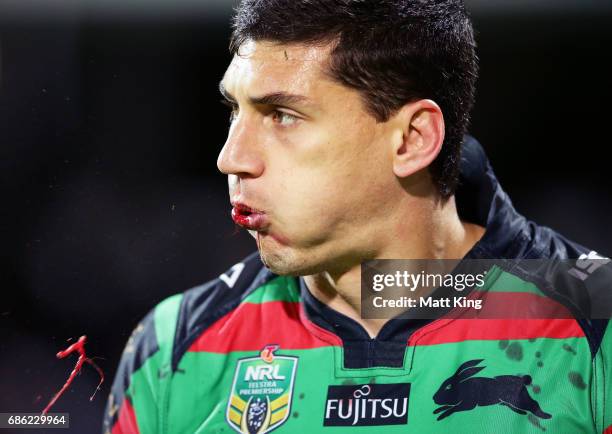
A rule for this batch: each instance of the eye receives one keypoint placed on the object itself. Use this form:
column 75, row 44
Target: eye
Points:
column 233, row 107
column 283, row 119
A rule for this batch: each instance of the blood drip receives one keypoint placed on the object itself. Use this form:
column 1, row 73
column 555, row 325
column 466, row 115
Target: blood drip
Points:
column 78, row 346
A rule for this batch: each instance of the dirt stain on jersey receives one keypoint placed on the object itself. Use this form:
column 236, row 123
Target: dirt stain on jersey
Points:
column 569, row 349
column 576, row 379
column 515, row 351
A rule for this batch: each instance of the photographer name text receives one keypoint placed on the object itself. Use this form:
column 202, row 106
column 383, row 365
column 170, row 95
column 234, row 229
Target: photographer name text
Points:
column 427, row 302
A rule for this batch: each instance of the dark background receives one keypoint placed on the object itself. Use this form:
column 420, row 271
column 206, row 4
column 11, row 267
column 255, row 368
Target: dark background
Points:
column 109, row 130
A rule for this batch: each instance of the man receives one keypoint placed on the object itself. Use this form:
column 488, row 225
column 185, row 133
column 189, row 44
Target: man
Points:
column 346, row 145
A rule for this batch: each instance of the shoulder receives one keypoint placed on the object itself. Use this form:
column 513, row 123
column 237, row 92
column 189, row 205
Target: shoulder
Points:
column 144, row 361
column 204, row 304
column 173, row 324
column 152, row 336
column 153, row 348
column 573, row 275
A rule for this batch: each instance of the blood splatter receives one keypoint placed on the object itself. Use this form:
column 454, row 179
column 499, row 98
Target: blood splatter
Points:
column 79, row 347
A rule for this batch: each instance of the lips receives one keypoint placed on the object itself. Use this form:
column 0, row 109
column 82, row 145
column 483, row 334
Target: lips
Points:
column 248, row 217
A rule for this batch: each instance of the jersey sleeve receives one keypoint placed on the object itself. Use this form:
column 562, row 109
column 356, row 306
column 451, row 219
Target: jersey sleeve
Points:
column 602, row 392
column 137, row 399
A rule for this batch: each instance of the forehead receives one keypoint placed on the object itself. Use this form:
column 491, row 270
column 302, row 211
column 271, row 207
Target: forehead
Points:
column 264, row 66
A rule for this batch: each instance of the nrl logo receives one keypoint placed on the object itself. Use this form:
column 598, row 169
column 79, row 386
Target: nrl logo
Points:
column 260, row 399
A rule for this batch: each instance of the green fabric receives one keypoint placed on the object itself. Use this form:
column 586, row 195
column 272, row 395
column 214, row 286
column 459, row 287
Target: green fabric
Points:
column 143, row 392
column 166, row 314
column 602, row 392
column 282, row 288
column 506, row 282
column 149, row 384
column 564, row 380
column 201, row 389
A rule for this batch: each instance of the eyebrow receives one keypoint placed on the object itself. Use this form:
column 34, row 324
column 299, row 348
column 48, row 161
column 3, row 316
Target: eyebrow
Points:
column 274, row 98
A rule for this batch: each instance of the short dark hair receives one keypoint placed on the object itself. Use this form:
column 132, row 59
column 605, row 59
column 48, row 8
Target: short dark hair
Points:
column 391, row 51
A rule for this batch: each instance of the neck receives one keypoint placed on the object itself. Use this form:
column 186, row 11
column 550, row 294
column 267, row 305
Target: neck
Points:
column 442, row 235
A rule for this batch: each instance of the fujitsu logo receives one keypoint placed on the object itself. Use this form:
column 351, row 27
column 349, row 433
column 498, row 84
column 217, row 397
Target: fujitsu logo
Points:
column 367, row 405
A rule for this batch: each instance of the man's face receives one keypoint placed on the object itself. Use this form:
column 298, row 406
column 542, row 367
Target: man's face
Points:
column 309, row 168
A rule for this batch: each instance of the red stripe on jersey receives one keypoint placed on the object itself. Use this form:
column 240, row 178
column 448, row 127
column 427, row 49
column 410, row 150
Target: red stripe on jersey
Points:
column 252, row 326
column 445, row 331
column 126, row 422
column 318, row 331
column 608, row 430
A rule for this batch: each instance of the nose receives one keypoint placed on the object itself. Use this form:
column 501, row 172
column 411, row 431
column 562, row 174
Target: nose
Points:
column 240, row 155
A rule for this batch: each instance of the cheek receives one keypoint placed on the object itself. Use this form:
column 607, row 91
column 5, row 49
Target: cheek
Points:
column 308, row 205
column 308, row 192
column 331, row 181
column 315, row 203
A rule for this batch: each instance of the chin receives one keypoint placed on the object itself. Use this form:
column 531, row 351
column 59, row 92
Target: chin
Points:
column 280, row 264
column 284, row 261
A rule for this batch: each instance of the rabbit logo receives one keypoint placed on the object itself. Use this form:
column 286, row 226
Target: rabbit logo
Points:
column 462, row 392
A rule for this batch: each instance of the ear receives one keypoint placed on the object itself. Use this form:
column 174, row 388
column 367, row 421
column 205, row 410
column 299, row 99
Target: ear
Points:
column 468, row 364
column 467, row 373
column 421, row 124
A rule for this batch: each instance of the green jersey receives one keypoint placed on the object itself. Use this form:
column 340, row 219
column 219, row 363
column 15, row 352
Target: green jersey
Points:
column 253, row 352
